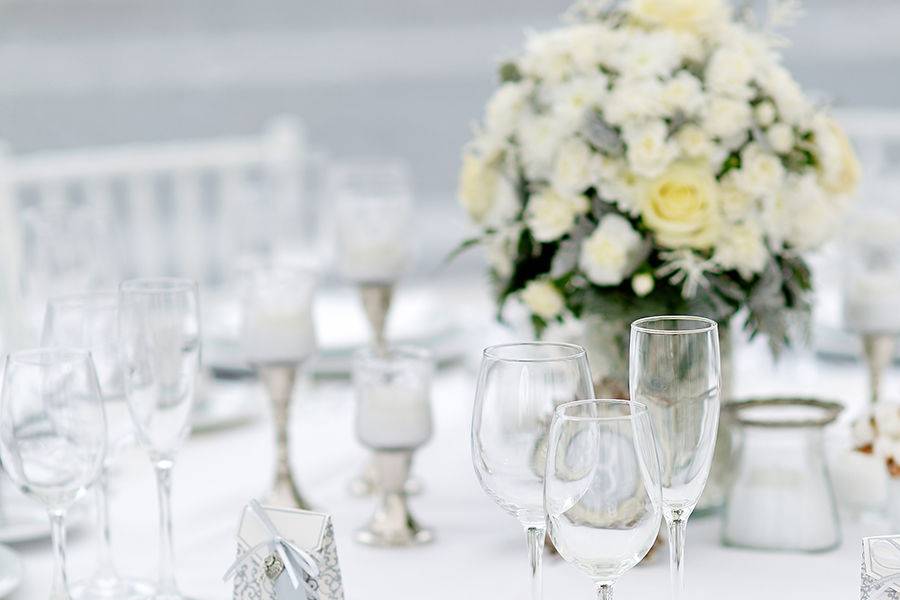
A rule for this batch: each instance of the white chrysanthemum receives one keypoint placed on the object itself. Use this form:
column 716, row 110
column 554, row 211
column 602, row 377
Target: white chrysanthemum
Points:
column 683, row 93
column 764, row 113
column 742, row 248
column 539, row 138
column 803, row 212
column 551, row 215
column 649, row 151
column 694, row 142
column 543, row 299
column 736, row 203
column 548, row 56
column 611, row 252
column 577, row 167
column 573, row 99
column 793, row 107
column 593, row 44
column 729, row 73
column 781, row 137
column 727, row 117
column 653, row 54
column 634, row 100
column 485, row 193
column 501, row 247
column 505, row 106
column 761, row 173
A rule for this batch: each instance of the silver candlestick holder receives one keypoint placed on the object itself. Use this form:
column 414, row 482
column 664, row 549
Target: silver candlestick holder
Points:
column 392, row 524
column 279, row 380
column 878, row 350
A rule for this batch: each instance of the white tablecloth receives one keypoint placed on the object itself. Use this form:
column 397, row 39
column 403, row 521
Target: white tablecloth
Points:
column 480, row 551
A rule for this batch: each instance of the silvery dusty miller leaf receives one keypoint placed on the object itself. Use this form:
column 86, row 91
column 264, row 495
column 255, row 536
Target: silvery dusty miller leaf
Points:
column 602, row 136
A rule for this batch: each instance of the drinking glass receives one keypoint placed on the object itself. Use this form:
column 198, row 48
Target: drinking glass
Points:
column 602, row 487
column 674, row 370
column 519, row 387
column 52, row 435
column 159, row 339
column 90, row 321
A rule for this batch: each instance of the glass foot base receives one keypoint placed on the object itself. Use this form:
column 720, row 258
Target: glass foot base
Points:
column 112, row 589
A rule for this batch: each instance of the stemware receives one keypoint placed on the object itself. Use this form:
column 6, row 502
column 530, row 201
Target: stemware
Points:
column 159, row 342
column 393, row 418
column 674, row 370
column 602, row 487
column 278, row 336
column 52, row 435
column 90, row 321
column 519, row 387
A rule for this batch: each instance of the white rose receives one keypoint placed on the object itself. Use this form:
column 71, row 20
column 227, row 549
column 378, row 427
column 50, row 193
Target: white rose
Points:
column 781, row 137
column 576, row 167
column 539, row 138
column 484, row 192
column 642, row 284
column 727, row 117
column 839, row 168
column 611, row 252
column 741, row 247
column 887, row 419
column 649, row 151
column 505, row 106
column 764, row 113
column 634, row 100
column 689, row 15
column 760, row 173
column 729, row 72
column 550, row 215
column 683, row 93
column 694, row 142
column 543, row 299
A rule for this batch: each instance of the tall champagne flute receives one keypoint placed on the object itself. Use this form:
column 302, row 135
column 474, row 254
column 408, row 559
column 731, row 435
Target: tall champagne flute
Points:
column 52, row 435
column 90, row 321
column 602, row 488
column 674, row 370
column 519, row 387
column 159, row 338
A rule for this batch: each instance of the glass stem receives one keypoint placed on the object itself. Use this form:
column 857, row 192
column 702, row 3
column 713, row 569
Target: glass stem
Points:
column 105, row 568
column 166, row 585
column 60, row 587
column 536, row 536
column 677, row 529
column 604, row 591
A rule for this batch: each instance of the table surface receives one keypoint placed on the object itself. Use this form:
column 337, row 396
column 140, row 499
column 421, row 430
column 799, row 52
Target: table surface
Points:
column 479, row 551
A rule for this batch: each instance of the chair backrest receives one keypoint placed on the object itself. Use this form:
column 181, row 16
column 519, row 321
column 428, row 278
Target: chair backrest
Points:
column 87, row 218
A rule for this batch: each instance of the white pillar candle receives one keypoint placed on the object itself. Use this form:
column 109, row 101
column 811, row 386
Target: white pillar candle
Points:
column 278, row 334
column 393, row 415
column 872, row 302
column 371, row 260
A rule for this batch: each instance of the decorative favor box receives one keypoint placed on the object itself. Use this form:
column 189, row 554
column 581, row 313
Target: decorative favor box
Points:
column 880, row 568
column 285, row 554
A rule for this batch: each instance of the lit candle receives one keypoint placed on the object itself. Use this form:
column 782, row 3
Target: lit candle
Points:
column 393, row 416
column 368, row 259
column 278, row 335
column 872, row 302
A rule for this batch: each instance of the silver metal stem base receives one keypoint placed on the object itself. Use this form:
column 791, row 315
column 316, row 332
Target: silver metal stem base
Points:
column 279, row 380
column 365, row 483
column 376, row 301
column 392, row 525
column 878, row 349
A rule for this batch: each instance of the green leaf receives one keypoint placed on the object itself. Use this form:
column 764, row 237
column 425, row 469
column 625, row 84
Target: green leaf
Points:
column 509, row 72
column 465, row 245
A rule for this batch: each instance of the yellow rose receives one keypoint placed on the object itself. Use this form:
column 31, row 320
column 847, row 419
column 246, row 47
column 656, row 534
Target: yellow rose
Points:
column 686, row 15
column 839, row 168
column 680, row 206
column 478, row 182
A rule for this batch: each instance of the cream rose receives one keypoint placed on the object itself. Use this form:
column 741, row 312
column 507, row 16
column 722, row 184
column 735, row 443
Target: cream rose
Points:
column 839, row 168
column 477, row 186
column 611, row 252
column 689, row 15
column 551, row 215
column 680, row 207
column 543, row 299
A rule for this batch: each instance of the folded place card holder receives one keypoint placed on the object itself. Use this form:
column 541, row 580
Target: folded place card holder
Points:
column 880, row 578
column 285, row 554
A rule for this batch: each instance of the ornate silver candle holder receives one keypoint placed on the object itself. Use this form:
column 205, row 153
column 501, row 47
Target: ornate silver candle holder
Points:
column 878, row 350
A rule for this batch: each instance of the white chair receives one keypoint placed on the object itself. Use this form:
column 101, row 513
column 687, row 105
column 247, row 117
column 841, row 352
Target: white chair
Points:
column 86, row 218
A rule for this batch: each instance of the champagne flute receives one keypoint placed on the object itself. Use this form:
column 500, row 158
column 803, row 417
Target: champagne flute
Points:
column 674, row 370
column 90, row 321
column 602, row 487
column 52, row 435
column 159, row 338
column 519, row 387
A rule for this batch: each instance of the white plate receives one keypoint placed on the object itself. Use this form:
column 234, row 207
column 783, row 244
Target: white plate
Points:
column 10, row 571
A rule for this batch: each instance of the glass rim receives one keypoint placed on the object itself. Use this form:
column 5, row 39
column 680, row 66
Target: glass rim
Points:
column 42, row 357
column 641, row 325
column 158, row 285
column 638, row 408
column 577, row 351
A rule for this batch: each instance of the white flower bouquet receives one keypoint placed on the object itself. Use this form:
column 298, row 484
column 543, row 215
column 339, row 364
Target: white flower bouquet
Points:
column 654, row 156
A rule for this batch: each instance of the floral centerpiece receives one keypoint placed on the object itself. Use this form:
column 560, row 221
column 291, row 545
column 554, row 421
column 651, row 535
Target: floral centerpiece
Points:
column 655, row 156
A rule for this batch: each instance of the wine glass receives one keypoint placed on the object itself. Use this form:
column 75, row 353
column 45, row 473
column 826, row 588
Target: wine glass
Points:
column 52, row 435
column 519, row 387
column 90, row 321
column 602, row 487
column 674, row 370
column 159, row 339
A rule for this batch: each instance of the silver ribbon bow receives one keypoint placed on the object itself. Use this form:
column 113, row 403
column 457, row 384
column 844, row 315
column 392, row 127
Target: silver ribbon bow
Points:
column 295, row 560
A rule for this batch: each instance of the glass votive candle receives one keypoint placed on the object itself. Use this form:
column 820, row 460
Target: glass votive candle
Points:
column 393, row 418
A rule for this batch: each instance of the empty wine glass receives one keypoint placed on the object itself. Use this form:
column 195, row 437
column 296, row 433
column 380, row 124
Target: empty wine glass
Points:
column 602, row 488
column 159, row 339
column 52, row 435
column 90, row 321
column 674, row 370
column 519, row 387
